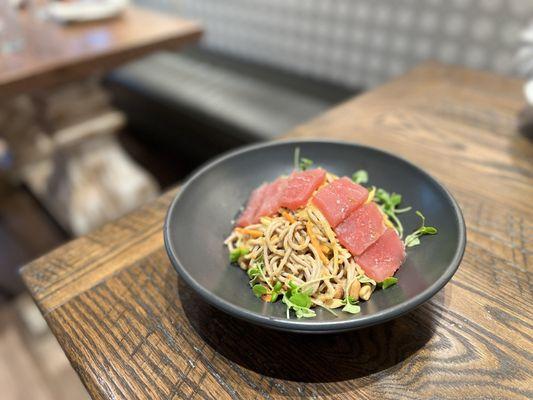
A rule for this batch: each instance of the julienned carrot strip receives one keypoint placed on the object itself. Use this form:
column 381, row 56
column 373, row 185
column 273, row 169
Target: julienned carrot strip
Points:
column 314, row 242
column 371, row 195
column 288, row 217
column 252, row 232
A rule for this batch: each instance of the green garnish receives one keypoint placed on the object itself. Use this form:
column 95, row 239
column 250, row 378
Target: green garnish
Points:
column 360, row 176
column 256, row 271
column 301, row 163
column 365, row 279
column 253, row 273
column 388, row 282
column 238, row 253
column 259, row 290
column 296, row 157
column 301, row 312
column 414, row 238
column 388, row 204
column 351, row 305
column 305, row 163
column 275, row 292
column 300, row 302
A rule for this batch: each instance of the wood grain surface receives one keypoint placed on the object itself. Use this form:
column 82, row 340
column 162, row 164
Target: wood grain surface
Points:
column 132, row 329
column 53, row 53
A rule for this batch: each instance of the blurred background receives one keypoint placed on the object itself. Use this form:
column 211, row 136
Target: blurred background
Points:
column 106, row 103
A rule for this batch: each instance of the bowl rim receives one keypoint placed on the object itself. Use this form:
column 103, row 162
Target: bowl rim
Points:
column 304, row 325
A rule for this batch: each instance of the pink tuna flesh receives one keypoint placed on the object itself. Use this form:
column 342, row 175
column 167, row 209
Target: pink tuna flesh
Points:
column 300, row 186
column 362, row 228
column 338, row 199
column 384, row 257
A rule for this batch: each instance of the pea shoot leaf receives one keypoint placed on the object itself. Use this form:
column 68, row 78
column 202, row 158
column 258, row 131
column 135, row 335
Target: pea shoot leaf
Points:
column 351, row 305
column 388, row 282
column 414, row 238
column 305, row 163
column 238, row 253
column 366, row 279
column 259, row 290
column 298, row 301
column 360, row 176
column 351, row 308
column 301, row 163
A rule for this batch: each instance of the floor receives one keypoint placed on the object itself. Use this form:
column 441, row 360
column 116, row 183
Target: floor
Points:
column 32, row 365
column 26, row 232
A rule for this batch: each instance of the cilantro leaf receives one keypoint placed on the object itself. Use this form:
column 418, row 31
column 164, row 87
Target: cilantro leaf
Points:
column 360, row 176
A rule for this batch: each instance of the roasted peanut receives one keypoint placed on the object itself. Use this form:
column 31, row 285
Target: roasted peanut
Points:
column 365, row 292
column 334, row 303
column 339, row 292
column 266, row 297
column 355, row 289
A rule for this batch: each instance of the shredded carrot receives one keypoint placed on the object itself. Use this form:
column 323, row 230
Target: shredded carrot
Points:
column 314, row 242
column 371, row 195
column 387, row 222
column 288, row 217
column 386, row 219
column 252, row 232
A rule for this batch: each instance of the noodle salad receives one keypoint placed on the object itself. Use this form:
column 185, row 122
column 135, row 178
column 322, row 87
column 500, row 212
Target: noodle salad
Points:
column 295, row 254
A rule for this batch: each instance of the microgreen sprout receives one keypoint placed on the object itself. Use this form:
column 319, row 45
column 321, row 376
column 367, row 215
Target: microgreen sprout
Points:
column 414, row 238
column 388, row 282
column 301, row 163
column 360, row 176
column 351, row 305
column 300, row 302
column 238, row 253
column 388, row 203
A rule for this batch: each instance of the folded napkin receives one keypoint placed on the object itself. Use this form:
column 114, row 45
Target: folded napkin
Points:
column 86, row 10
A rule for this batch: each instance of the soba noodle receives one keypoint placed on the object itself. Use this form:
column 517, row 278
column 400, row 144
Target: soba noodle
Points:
column 300, row 247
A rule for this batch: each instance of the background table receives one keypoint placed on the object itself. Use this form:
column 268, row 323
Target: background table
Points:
column 132, row 329
column 55, row 53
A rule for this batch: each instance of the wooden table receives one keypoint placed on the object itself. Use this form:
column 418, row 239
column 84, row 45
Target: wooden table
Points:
column 54, row 53
column 132, row 329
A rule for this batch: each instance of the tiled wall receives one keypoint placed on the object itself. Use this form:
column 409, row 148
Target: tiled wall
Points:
column 364, row 42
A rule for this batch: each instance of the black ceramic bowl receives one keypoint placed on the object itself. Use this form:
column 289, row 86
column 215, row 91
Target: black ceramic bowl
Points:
column 199, row 219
